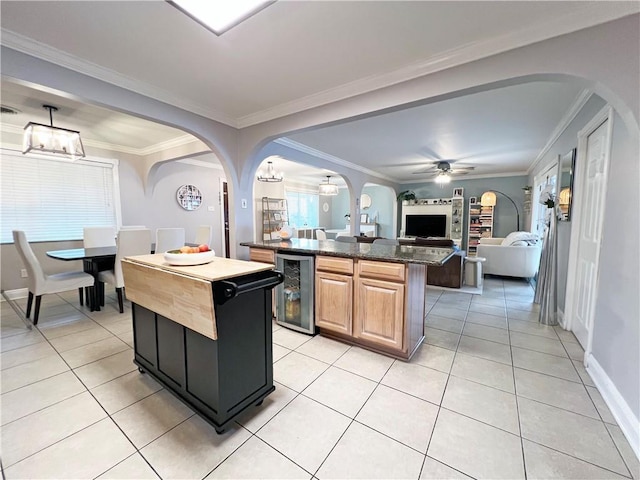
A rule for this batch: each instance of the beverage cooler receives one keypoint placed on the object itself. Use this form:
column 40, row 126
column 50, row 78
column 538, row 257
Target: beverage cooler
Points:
column 294, row 296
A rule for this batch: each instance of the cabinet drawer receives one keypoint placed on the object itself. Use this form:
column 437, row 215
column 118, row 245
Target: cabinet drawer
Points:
column 334, row 264
column 381, row 270
column 262, row 255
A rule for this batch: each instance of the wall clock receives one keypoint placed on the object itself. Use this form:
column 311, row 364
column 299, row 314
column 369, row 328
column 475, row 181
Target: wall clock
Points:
column 325, row 207
column 189, row 197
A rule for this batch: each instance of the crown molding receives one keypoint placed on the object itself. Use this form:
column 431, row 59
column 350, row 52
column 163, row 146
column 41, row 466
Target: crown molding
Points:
column 300, row 147
column 172, row 143
column 580, row 101
column 48, row 53
column 200, row 163
column 469, row 177
column 597, row 13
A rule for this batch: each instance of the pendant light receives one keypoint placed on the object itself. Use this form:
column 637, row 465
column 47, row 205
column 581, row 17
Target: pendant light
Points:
column 41, row 138
column 271, row 176
column 328, row 188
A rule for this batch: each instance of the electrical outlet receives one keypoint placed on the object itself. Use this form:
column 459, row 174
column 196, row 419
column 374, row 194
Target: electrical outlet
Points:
column 23, row 273
column 211, row 208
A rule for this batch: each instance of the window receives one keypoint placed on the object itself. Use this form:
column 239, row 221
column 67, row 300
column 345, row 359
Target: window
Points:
column 303, row 208
column 53, row 199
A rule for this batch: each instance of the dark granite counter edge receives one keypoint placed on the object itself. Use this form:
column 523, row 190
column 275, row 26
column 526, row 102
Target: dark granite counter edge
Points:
column 384, row 253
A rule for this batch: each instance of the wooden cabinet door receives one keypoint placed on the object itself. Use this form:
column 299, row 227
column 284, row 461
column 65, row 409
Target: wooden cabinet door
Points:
column 379, row 312
column 334, row 304
column 262, row 255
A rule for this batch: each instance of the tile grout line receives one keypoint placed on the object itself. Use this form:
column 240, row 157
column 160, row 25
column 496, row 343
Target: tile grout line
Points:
column 101, row 406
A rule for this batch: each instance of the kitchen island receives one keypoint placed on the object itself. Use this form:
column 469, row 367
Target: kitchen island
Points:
column 369, row 295
column 204, row 331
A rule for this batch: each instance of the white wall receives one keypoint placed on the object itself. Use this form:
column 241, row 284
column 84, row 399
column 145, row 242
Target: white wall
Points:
column 160, row 207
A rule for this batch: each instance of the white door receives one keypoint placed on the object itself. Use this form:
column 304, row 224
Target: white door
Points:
column 593, row 188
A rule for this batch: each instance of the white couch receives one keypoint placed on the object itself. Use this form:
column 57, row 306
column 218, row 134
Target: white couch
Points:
column 510, row 261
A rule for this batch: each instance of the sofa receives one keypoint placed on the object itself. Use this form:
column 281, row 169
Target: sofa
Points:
column 509, row 260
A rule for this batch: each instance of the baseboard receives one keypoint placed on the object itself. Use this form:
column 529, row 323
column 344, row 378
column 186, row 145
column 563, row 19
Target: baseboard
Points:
column 15, row 294
column 561, row 319
column 619, row 408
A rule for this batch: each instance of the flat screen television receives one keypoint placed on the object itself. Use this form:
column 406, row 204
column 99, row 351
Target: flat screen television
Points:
column 426, row 226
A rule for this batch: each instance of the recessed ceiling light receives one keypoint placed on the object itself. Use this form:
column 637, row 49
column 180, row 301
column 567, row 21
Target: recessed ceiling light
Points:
column 220, row 15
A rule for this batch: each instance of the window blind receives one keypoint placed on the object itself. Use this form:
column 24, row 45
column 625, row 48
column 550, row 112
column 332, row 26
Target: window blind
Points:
column 52, row 199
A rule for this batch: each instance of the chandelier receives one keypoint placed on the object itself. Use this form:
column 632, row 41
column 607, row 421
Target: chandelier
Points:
column 41, row 138
column 328, row 188
column 270, row 175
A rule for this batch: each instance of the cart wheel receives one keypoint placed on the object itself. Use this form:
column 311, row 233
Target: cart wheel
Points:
column 259, row 403
column 141, row 370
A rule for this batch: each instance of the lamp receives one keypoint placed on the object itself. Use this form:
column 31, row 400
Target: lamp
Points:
column 41, row 138
column 443, row 177
column 271, row 176
column 488, row 199
column 565, row 196
column 328, row 188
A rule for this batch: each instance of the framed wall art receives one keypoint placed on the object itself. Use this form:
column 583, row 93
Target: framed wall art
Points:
column 189, row 197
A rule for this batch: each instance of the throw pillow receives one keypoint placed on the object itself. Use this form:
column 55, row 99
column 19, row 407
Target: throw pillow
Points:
column 530, row 238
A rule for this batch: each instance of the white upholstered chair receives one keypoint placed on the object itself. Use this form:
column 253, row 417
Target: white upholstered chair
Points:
column 511, row 261
column 169, row 239
column 130, row 242
column 42, row 284
column 386, row 241
column 344, row 239
column 321, row 235
column 94, row 237
column 203, row 235
column 132, row 227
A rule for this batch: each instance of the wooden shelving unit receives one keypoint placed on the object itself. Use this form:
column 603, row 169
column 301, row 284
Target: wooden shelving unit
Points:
column 275, row 215
column 480, row 226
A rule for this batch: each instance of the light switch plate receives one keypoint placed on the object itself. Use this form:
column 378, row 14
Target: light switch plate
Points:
column 243, row 203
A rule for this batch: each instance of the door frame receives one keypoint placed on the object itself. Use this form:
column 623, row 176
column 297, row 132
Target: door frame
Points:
column 577, row 217
column 224, row 232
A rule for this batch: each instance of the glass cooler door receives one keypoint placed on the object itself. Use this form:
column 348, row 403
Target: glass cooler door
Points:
column 295, row 308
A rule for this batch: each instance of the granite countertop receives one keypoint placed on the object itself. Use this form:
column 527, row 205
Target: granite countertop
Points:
column 434, row 256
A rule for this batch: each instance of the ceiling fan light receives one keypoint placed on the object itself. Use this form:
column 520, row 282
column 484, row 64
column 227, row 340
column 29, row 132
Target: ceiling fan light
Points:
column 328, row 189
column 270, row 176
column 442, row 178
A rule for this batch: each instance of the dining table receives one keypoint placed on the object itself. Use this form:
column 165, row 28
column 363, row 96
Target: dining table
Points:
column 94, row 260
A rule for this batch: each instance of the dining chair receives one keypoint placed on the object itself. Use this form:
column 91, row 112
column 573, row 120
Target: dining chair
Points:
column 386, row 241
column 321, row 235
column 344, row 239
column 169, row 239
column 132, row 227
column 130, row 242
column 93, row 237
column 203, row 235
column 42, row 284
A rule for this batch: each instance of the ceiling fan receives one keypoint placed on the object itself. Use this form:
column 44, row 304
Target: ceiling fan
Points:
column 443, row 170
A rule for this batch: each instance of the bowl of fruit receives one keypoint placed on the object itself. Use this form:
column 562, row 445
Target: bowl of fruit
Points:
column 190, row 255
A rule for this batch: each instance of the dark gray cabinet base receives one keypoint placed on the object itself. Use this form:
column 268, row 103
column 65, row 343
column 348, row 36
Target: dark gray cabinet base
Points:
column 219, row 379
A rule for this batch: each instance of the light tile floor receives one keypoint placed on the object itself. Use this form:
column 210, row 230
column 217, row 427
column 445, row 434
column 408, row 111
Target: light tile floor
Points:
column 491, row 394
